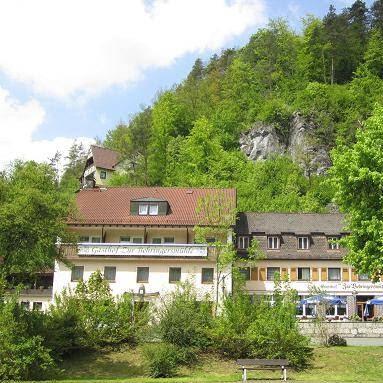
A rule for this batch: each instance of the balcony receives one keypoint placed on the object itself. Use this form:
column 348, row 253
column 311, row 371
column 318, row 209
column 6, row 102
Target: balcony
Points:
column 134, row 250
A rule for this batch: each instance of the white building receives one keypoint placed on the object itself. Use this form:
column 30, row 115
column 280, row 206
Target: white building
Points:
column 142, row 239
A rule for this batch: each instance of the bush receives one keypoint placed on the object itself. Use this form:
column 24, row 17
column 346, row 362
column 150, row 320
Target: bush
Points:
column 23, row 355
column 91, row 318
column 261, row 330
column 162, row 360
column 184, row 321
column 336, row 340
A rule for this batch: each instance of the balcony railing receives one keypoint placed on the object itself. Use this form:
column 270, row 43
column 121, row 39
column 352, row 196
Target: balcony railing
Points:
column 134, row 250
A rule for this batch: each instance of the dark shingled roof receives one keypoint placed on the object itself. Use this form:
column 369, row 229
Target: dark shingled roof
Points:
column 297, row 223
column 111, row 205
column 104, row 158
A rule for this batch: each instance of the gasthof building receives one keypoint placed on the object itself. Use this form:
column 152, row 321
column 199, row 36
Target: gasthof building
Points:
column 303, row 248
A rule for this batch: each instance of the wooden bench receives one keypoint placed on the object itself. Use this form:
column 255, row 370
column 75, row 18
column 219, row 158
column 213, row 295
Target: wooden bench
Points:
column 263, row 364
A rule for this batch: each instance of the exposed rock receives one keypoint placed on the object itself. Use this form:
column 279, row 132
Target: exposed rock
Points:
column 262, row 141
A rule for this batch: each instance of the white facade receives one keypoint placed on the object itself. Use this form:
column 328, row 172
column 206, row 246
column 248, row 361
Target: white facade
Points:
column 159, row 258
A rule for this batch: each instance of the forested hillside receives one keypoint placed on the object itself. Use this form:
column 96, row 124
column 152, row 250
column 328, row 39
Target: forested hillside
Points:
column 331, row 74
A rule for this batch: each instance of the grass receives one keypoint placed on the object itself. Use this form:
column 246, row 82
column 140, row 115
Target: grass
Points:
column 336, row 364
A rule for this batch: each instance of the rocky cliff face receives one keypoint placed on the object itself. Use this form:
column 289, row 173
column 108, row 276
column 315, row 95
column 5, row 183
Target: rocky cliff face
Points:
column 263, row 141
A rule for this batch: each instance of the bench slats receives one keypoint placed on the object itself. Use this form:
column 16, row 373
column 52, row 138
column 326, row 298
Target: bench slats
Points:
column 262, row 362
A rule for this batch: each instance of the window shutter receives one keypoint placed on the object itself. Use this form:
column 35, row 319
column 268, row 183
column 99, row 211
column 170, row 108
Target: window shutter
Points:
column 284, row 273
column 354, row 275
column 162, row 208
column 345, row 274
column 293, row 274
column 254, row 274
column 324, row 273
column 262, row 274
column 315, row 274
column 134, row 208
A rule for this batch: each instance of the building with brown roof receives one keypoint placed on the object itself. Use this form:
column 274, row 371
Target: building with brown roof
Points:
column 100, row 165
column 143, row 240
column 304, row 249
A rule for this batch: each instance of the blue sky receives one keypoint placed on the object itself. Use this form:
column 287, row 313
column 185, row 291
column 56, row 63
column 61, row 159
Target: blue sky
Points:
column 76, row 71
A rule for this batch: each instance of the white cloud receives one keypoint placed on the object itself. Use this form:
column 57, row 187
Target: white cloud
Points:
column 18, row 123
column 70, row 47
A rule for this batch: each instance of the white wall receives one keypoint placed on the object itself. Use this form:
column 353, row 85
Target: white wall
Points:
column 126, row 274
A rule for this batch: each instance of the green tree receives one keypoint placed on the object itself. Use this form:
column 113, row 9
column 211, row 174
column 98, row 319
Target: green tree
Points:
column 357, row 176
column 374, row 54
column 75, row 162
column 33, row 214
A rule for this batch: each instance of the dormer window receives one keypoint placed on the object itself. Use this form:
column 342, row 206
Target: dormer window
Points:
column 333, row 243
column 148, row 209
column 273, row 243
column 303, row 243
column 146, row 206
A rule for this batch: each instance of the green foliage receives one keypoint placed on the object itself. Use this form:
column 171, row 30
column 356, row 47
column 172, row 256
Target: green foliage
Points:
column 33, row 214
column 162, row 360
column 261, row 329
column 330, row 74
column 184, row 320
column 357, row 175
column 336, row 340
column 94, row 318
column 74, row 167
column 23, row 355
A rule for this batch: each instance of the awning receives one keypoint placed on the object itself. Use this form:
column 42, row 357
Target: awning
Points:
column 375, row 301
column 329, row 299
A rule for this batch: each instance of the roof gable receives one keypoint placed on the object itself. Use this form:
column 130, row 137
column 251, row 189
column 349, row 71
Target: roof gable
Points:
column 104, row 158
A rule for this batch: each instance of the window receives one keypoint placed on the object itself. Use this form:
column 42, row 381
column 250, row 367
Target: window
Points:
column 210, row 239
column 143, row 209
column 207, row 275
column 271, row 272
column 156, row 240
column 148, row 209
column 243, row 242
column 332, row 243
column 103, row 174
column 169, row 240
column 38, row 306
column 137, row 240
column 77, row 273
column 142, row 274
column 174, row 274
column 303, row 243
column 303, row 273
column 334, row 273
column 87, row 239
column 245, row 272
column 273, row 243
column 153, row 209
column 124, row 239
column 25, row 305
column 363, row 277
column 110, row 273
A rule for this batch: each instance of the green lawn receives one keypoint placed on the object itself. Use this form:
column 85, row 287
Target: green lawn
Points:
column 337, row 364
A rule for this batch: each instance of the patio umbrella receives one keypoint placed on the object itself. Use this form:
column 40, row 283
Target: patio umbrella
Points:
column 329, row 299
column 366, row 312
column 375, row 301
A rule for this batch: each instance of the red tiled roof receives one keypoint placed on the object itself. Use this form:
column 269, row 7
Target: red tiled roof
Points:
column 112, row 205
column 104, row 158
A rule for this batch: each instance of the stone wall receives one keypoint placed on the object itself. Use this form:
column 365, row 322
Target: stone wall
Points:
column 345, row 329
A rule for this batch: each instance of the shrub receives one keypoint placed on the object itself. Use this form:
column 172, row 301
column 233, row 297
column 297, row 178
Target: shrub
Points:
column 91, row 318
column 261, row 329
column 23, row 355
column 184, row 321
column 162, row 360
column 336, row 340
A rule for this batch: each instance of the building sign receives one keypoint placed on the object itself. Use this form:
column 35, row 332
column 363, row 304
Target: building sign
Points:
column 144, row 250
